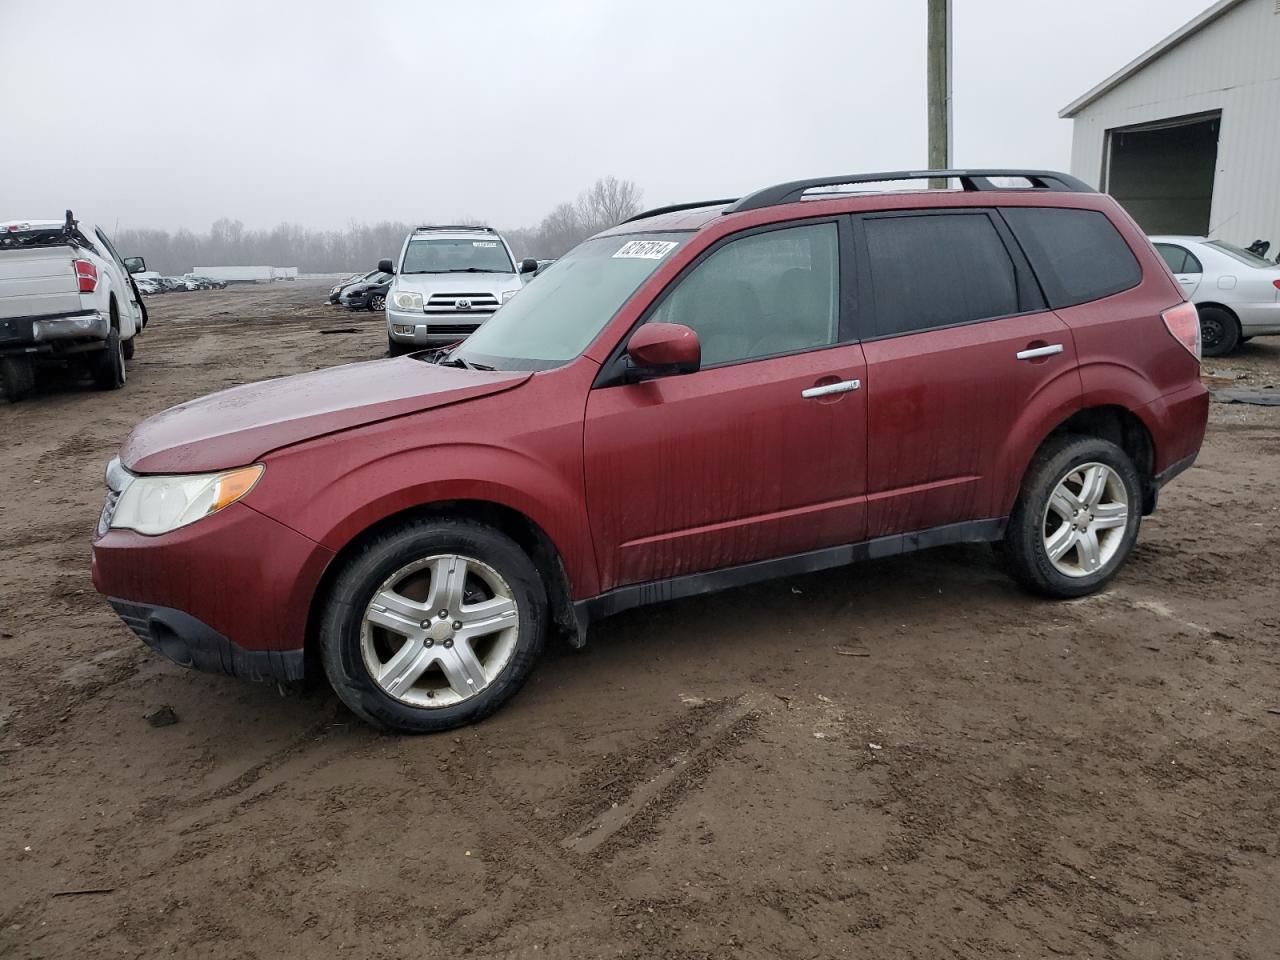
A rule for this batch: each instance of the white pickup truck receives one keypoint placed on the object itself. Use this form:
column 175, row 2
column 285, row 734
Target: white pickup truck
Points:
column 66, row 296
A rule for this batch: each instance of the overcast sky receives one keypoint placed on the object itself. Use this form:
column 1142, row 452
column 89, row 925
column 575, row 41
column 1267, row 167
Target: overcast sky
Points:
column 168, row 113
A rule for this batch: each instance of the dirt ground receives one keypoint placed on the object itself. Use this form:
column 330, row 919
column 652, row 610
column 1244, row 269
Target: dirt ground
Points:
column 908, row 758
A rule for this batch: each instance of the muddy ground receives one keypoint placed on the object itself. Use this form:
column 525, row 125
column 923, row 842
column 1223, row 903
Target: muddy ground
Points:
column 909, row 758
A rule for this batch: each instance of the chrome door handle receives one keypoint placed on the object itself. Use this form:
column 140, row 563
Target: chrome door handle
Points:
column 844, row 386
column 1039, row 352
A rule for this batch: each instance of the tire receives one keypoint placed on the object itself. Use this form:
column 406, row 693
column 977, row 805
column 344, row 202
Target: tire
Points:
column 1036, row 525
column 421, row 558
column 129, row 346
column 1219, row 331
column 17, row 378
column 396, row 349
column 377, row 303
column 108, row 365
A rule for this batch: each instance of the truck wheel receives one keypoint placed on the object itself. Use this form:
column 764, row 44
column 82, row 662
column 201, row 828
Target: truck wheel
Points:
column 128, row 347
column 432, row 625
column 1219, row 331
column 108, row 365
column 17, row 378
column 1076, row 519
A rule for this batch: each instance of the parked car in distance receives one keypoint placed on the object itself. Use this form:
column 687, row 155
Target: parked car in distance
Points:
column 147, row 287
column 1237, row 293
column 370, row 294
column 335, row 293
column 448, row 281
column 704, row 396
column 173, row 284
column 66, row 296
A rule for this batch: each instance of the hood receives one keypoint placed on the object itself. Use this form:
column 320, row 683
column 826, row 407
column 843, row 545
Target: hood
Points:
column 458, row 283
column 237, row 426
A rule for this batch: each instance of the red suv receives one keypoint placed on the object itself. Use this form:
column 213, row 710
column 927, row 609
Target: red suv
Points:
column 704, row 396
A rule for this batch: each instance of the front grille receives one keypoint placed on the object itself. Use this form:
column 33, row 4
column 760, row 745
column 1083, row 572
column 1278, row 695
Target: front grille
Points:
column 452, row 327
column 448, row 303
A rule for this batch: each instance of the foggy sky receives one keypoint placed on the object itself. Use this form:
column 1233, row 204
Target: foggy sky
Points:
column 168, row 113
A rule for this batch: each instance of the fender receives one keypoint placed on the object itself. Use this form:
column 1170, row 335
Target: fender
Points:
column 1054, row 402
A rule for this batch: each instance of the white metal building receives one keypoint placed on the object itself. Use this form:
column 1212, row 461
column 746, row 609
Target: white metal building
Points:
column 1187, row 136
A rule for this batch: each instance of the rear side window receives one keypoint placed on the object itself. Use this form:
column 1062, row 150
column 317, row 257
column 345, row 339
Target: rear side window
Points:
column 937, row 271
column 1077, row 254
column 1179, row 259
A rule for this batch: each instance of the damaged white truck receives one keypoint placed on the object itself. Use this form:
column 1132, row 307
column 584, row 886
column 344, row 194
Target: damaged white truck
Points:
column 66, row 298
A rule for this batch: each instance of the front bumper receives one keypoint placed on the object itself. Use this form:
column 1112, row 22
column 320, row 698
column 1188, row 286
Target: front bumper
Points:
column 432, row 329
column 189, row 642
column 234, row 588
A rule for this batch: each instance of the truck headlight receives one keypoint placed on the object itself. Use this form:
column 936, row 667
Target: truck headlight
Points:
column 508, row 294
column 155, row 504
column 406, row 300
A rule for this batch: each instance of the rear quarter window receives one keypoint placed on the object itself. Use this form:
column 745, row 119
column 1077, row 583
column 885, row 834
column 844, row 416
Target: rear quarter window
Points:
column 1078, row 255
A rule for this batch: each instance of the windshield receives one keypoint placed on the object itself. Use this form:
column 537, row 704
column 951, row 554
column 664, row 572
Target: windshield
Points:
column 438, row 255
column 552, row 321
column 1244, row 256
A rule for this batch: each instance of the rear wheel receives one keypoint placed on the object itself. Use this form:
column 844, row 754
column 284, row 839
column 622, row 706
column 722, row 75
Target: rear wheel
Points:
column 128, row 347
column 1219, row 331
column 1076, row 519
column 17, row 378
column 108, row 365
column 433, row 626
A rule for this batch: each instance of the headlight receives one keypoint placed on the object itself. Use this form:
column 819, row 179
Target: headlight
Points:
column 405, row 300
column 154, row 505
column 508, row 294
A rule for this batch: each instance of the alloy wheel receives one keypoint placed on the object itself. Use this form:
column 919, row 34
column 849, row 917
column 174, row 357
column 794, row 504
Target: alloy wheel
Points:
column 439, row 630
column 378, row 303
column 1085, row 519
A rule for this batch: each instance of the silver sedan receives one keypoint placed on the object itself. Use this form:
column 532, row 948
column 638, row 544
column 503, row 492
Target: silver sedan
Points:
column 1236, row 292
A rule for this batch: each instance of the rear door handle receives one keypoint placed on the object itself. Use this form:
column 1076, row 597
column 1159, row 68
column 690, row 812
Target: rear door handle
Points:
column 826, row 390
column 1034, row 352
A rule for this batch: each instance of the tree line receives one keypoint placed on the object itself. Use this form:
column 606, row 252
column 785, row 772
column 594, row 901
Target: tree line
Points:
column 228, row 243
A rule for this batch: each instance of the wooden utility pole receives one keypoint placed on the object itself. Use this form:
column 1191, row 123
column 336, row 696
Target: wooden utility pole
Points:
column 939, row 84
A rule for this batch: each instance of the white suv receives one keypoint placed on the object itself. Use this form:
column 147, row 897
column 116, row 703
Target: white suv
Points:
column 448, row 281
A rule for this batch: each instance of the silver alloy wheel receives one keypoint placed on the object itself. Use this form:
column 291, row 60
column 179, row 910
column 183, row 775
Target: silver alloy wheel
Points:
column 378, row 303
column 439, row 630
column 1085, row 520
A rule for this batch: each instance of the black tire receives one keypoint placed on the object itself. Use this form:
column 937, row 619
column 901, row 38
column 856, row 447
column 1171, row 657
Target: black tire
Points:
column 395, row 349
column 1024, row 550
column 377, row 302
column 360, row 577
column 17, row 378
column 129, row 346
column 1219, row 331
column 108, row 365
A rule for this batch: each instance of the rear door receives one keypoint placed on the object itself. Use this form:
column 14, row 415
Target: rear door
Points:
column 1186, row 267
column 958, row 343
column 761, row 453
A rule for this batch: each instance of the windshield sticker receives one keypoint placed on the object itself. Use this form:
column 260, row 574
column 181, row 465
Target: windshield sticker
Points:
column 484, row 243
column 646, row 249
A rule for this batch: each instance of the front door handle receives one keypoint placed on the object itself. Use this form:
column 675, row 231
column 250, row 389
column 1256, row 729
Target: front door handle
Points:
column 1032, row 352
column 827, row 389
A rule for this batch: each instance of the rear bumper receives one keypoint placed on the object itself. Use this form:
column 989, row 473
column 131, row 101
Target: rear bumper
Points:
column 1259, row 319
column 1177, row 422
column 189, row 642
column 42, row 334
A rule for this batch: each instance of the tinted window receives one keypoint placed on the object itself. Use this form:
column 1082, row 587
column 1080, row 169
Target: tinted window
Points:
column 938, row 270
column 762, row 295
column 456, row 256
column 1077, row 254
column 1244, row 256
column 1179, row 259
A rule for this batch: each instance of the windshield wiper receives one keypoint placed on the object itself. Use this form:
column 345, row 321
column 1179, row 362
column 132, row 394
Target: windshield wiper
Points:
column 459, row 270
column 452, row 361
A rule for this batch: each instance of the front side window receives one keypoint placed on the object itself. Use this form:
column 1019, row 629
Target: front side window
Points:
column 1077, row 254
column 440, row 255
column 938, row 270
column 762, row 295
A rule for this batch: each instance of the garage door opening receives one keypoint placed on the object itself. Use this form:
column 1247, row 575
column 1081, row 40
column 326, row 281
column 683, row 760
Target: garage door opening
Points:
column 1162, row 173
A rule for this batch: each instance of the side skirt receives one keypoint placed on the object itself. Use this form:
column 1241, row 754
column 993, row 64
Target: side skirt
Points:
column 693, row 584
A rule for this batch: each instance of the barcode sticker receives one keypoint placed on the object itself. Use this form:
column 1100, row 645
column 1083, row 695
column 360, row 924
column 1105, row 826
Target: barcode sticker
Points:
column 646, row 249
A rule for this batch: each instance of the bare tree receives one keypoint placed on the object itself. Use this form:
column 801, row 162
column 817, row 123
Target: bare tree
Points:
column 609, row 201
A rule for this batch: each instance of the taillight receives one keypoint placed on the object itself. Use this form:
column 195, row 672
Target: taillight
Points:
column 87, row 274
column 1276, row 283
column 1183, row 322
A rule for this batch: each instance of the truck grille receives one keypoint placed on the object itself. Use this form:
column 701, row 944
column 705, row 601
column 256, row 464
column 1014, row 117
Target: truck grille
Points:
column 460, row 328
column 449, row 303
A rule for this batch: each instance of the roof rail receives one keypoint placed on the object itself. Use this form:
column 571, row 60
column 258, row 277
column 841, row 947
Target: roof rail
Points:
column 455, row 226
column 677, row 207
column 969, row 179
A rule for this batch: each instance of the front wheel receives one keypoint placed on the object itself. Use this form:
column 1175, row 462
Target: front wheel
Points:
column 395, row 348
column 433, row 626
column 377, row 303
column 1076, row 519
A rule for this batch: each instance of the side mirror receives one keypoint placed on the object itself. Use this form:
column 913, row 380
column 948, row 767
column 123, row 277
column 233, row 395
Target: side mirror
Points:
column 528, row 265
column 386, row 266
column 663, row 349
column 135, row 264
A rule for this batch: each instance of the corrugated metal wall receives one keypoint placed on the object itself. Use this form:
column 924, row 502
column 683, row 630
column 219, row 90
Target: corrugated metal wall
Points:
column 1232, row 65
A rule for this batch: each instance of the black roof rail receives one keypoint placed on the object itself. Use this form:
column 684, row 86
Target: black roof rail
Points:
column 969, row 179
column 677, row 207
column 455, row 226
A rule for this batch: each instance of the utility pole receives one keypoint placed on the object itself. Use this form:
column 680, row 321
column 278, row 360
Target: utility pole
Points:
column 939, row 84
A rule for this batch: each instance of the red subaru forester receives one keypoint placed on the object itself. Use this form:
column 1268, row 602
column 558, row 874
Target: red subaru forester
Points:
column 704, row 396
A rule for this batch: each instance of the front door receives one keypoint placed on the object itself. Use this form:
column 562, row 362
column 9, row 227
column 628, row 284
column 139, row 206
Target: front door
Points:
column 761, row 452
